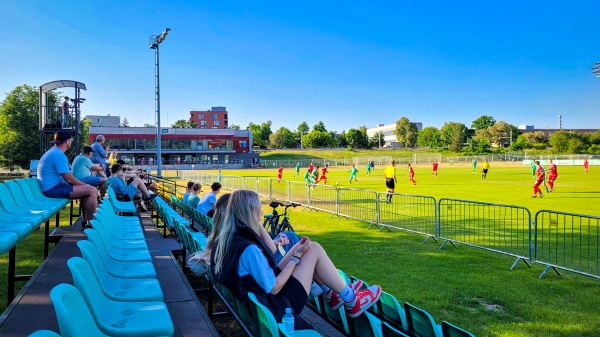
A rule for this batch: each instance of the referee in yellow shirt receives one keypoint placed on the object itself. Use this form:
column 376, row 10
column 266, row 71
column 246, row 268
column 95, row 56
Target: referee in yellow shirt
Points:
column 485, row 168
column 390, row 180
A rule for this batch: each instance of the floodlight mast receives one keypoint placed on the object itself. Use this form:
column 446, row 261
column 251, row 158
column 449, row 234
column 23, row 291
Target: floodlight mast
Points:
column 155, row 40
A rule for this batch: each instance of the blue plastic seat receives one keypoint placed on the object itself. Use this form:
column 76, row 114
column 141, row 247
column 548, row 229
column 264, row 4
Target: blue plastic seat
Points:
column 120, row 206
column 23, row 201
column 115, row 318
column 22, row 229
column 121, row 289
column 419, row 322
column 44, row 333
column 120, row 220
column 389, row 331
column 116, row 268
column 124, row 255
column 118, row 243
column 122, row 235
column 7, row 241
column 31, row 197
column 8, row 203
column 37, row 192
column 73, row 315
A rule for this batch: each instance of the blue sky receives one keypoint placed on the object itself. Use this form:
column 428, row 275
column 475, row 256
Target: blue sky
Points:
column 345, row 63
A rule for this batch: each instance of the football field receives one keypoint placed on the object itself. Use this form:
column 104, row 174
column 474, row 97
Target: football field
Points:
column 469, row 287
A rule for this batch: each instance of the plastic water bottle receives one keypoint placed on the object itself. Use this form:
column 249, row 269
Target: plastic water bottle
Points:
column 288, row 321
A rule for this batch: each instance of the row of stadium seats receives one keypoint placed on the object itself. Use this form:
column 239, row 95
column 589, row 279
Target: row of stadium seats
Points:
column 386, row 319
column 23, row 210
column 116, row 291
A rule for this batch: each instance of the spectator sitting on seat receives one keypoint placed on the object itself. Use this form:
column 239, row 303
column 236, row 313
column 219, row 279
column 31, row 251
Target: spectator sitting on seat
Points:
column 188, row 192
column 91, row 174
column 56, row 181
column 206, row 205
column 193, row 199
column 117, row 182
column 242, row 260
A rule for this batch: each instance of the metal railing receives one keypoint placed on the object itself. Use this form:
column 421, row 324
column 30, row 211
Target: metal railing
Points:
column 559, row 240
column 568, row 241
column 499, row 228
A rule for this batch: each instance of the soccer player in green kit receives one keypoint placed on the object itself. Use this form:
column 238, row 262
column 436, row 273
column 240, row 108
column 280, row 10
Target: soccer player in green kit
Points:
column 297, row 170
column 353, row 172
column 368, row 168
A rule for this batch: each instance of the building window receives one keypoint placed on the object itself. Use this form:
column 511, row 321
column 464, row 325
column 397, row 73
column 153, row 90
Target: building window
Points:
column 243, row 143
column 214, row 116
column 202, row 123
column 201, row 116
column 216, row 122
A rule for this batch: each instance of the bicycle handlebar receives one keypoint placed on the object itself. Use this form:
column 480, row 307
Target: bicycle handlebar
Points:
column 275, row 204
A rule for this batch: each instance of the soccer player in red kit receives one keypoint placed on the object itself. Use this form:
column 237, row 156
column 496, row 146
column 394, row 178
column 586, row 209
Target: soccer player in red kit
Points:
column 539, row 178
column 411, row 174
column 279, row 174
column 552, row 175
column 586, row 163
column 323, row 174
column 434, row 168
column 311, row 167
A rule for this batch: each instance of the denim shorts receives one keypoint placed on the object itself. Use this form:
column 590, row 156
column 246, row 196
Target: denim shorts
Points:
column 59, row 191
column 91, row 180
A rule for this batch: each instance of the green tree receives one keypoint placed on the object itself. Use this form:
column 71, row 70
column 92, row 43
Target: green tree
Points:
column 499, row 133
column 125, row 122
column 453, row 135
column 559, row 141
column 342, row 142
column 406, row 132
column 595, row 138
column 234, row 127
column 303, row 128
column 320, row 126
column 148, row 125
column 357, row 139
column 521, row 143
column 483, row 122
column 377, row 140
column 20, row 140
column 429, row 138
column 257, row 135
column 183, row 123
column 265, row 131
column 317, row 139
column 84, row 128
column 536, row 137
column 283, row 139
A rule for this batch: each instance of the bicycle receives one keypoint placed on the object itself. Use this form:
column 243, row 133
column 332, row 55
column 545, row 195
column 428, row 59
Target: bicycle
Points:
column 271, row 222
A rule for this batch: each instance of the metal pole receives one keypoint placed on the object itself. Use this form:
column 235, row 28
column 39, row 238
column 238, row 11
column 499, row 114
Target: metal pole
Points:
column 157, row 106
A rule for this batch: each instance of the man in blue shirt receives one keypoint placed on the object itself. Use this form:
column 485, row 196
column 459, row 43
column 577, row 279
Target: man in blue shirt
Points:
column 99, row 153
column 56, row 181
column 206, row 205
column 87, row 172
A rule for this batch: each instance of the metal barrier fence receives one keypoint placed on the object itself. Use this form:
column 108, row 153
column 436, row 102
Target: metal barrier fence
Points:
column 558, row 240
column 415, row 213
column 500, row 228
column 568, row 241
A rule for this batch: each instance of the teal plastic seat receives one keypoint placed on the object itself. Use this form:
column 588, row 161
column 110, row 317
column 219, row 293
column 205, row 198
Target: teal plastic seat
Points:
column 120, row 206
column 22, row 201
column 37, row 192
column 117, row 224
column 389, row 307
column 266, row 326
column 366, row 325
column 73, row 315
column 7, row 241
column 34, row 220
column 31, row 197
column 450, row 330
column 121, row 289
column 419, row 322
column 116, row 268
column 123, row 255
column 389, row 331
column 22, row 229
column 118, row 220
column 124, row 233
column 10, row 206
column 118, row 243
column 120, row 319
column 44, row 333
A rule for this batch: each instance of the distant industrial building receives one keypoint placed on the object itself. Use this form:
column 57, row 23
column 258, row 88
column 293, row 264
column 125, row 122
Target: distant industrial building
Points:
column 108, row 120
column 215, row 118
column 389, row 134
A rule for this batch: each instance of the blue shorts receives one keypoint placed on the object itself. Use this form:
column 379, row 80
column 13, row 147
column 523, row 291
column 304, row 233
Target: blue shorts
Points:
column 91, row 180
column 131, row 191
column 59, row 191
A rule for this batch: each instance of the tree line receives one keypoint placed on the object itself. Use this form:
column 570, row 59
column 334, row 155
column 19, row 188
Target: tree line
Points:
column 20, row 137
